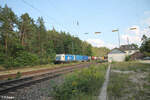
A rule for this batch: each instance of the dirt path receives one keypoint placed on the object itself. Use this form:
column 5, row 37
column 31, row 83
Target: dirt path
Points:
column 103, row 94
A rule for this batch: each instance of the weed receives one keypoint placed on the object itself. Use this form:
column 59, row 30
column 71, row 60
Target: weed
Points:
column 129, row 86
column 18, row 75
column 86, row 82
column 9, row 78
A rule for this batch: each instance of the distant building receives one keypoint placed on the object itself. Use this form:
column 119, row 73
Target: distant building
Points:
column 119, row 54
column 137, row 56
column 129, row 49
column 116, row 55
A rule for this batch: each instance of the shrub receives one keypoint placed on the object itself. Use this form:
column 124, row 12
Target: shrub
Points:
column 26, row 58
column 8, row 63
column 127, row 58
column 2, row 57
column 22, row 59
column 86, row 81
column 18, row 75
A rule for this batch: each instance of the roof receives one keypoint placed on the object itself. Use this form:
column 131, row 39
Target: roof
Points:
column 116, row 51
column 127, row 47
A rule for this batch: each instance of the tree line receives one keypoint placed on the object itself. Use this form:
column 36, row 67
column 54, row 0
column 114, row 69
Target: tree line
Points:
column 25, row 41
column 145, row 46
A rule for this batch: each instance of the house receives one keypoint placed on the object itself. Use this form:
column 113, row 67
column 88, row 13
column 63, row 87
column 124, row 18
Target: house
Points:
column 137, row 56
column 129, row 49
column 116, row 55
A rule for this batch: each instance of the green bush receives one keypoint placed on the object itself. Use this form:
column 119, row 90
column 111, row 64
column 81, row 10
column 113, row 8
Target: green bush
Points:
column 2, row 58
column 18, row 75
column 22, row 59
column 86, row 81
column 127, row 58
column 8, row 63
column 26, row 58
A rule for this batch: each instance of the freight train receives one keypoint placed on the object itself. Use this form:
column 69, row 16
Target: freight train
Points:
column 62, row 58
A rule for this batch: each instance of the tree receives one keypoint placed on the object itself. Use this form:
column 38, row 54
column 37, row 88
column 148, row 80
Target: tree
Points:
column 26, row 29
column 24, row 41
column 145, row 46
column 134, row 45
column 41, row 35
column 8, row 22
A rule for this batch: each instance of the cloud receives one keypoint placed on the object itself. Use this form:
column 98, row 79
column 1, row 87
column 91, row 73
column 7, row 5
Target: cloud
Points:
column 134, row 36
column 132, row 39
column 145, row 22
column 100, row 43
column 146, row 12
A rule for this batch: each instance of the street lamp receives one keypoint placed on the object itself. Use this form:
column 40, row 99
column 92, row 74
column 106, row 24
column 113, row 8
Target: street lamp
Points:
column 98, row 32
column 133, row 28
column 117, row 30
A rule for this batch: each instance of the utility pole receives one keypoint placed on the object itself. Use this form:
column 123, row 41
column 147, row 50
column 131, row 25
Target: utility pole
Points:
column 119, row 38
column 128, row 40
column 72, row 48
column 117, row 30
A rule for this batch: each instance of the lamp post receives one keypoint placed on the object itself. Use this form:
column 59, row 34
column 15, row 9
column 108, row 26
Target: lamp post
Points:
column 117, row 30
column 98, row 32
column 132, row 28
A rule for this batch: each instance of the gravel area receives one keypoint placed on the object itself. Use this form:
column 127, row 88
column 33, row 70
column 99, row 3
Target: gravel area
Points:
column 123, row 72
column 39, row 91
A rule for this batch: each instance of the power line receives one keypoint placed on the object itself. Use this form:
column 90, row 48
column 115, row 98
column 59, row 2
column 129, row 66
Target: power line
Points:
column 72, row 27
column 39, row 11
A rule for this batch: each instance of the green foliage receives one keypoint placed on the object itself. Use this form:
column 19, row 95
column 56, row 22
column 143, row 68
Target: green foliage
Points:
column 22, row 59
column 25, row 58
column 9, row 78
column 86, row 81
column 9, row 62
column 117, row 84
column 147, row 53
column 127, row 58
column 145, row 46
column 18, row 75
column 2, row 58
column 24, row 41
column 102, row 51
column 122, row 86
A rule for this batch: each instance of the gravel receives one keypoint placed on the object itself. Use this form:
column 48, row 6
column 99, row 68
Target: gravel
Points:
column 38, row 91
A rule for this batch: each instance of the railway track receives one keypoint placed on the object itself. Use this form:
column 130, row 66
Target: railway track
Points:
column 11, row 85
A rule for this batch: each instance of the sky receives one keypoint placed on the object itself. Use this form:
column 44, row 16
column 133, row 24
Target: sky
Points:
column 89, row 16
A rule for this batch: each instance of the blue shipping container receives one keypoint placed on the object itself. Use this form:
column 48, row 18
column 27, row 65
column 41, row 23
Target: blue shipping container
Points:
column 85, row 58
column 78, row 58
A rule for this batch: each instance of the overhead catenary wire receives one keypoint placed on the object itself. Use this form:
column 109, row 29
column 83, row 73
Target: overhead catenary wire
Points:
column 74, row 27
column 49, row 17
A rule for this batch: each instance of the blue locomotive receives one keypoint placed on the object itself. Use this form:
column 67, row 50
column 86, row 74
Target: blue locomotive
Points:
column 70, row 57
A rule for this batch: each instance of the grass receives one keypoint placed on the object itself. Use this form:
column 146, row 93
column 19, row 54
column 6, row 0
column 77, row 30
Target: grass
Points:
column 131, row 86
column 82, row 84
column 118, row 86
column 131, row 66
column 85, row 97
column 33, row 68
